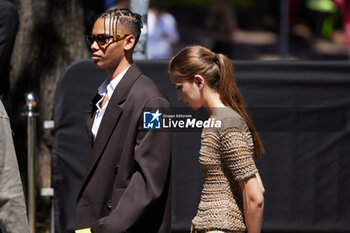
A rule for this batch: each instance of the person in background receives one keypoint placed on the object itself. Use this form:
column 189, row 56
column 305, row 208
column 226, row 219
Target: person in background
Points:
column 222, row 22
column 8, row 29
column 344, row 7
column 13, row 217
column 321, row 15
column 163, row 33
column 126, row 187
column 232, row 197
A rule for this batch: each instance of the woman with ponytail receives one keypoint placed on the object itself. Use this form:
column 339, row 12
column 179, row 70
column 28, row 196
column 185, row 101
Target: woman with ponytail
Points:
column 232, row 197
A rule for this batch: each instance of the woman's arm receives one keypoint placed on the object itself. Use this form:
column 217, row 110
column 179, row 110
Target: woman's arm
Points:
column 253, row 202
column 237, row 155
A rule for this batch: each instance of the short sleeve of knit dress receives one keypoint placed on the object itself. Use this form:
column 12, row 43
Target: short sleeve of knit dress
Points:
column 237, row 149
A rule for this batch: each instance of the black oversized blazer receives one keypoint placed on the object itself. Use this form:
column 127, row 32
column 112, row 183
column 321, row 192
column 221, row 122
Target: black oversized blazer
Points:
column 126, row 187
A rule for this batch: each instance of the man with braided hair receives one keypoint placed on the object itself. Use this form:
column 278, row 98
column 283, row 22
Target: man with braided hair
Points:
column 126, row 187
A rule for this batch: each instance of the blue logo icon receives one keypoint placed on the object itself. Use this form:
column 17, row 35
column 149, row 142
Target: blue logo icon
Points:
column 151, row 120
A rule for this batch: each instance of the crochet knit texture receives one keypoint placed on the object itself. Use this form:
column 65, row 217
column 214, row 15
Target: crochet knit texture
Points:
column 226, row 156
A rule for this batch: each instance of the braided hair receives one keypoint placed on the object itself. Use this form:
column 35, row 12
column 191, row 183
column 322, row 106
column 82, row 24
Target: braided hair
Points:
column 125, row 17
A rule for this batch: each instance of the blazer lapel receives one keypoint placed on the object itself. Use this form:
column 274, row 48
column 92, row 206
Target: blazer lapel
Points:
column 110, row 119
column 107, row 126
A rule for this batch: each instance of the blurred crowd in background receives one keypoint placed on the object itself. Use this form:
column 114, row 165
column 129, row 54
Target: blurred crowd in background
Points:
column 249, row 29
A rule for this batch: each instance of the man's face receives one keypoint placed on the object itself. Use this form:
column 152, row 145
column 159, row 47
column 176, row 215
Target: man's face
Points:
column 108, row 51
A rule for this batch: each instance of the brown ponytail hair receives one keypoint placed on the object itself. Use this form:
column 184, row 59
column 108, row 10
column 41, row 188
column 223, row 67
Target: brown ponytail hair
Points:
column 217, row 70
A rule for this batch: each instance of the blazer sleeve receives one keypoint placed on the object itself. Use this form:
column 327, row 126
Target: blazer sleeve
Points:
column 13, row 216
column 148, row 182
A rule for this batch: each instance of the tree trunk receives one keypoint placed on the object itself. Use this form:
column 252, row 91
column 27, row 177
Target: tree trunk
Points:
column 50, row 37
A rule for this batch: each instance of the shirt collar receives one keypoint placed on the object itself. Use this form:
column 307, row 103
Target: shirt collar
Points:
column 109, row 87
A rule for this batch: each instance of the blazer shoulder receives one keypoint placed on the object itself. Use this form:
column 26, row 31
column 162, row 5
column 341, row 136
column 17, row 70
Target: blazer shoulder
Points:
column 146, row 88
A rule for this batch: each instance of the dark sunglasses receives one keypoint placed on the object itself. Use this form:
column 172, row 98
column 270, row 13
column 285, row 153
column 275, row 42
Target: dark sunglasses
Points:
column 103, row 39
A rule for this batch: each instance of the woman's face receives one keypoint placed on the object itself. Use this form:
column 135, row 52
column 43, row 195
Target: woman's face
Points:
column 188, row 92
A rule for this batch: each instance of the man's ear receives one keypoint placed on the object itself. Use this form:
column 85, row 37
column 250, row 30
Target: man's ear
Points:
column 129, row 42
column 199, row 80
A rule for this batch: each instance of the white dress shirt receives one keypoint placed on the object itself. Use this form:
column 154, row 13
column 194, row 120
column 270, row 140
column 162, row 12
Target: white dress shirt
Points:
column 162, row 34
column 105, row 87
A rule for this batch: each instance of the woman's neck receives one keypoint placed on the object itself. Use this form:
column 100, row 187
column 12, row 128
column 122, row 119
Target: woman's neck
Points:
column 213, row 103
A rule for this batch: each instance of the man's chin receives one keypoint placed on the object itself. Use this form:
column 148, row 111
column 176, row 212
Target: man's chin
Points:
column 98, row 64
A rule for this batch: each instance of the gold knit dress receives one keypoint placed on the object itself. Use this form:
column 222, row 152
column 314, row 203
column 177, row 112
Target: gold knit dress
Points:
column 226, row 156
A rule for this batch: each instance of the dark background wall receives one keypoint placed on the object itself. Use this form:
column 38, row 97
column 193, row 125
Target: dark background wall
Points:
column 301, row 111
